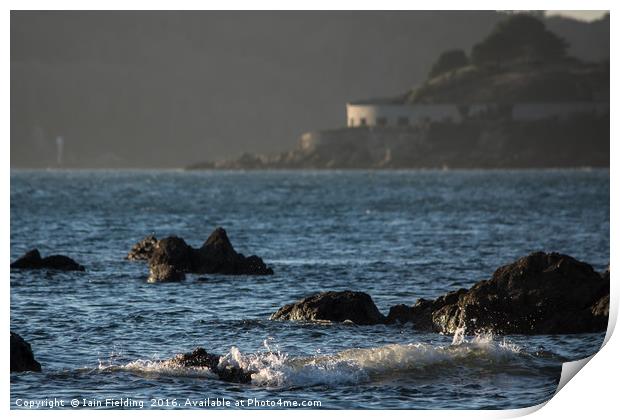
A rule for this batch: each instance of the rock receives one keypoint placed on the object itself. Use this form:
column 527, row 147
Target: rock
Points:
column 162, row 273
column 215, row 256
column 356, row 307
column 143, row 250
column 173, row 251
column 419, row 314
column 201, row 358
column 22, row 358
column 605, row 275
column 538, row 294
column 601, row 308
column 32, row 260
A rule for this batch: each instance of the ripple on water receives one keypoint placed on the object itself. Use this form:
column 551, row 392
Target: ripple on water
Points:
column 397, row 235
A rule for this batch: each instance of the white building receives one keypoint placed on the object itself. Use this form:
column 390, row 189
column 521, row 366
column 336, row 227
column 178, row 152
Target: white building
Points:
column 393, row 113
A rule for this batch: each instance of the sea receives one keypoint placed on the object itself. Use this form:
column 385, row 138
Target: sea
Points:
column 103, row 336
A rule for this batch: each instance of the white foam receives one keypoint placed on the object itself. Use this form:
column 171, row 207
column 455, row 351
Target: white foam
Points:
column 362, row 365
column 352, row 366
column 159, row 368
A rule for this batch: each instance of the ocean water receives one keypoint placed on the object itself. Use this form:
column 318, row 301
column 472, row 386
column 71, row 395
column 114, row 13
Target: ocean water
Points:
column 397, row 235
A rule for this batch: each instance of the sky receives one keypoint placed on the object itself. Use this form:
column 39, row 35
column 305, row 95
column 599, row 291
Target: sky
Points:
column 585, row 15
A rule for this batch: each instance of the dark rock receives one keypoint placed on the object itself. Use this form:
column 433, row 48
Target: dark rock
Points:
column 601, row 308
column 538, row 294
column 605, row 275
column 215, row 256
column 32, row 260
column 22, row 358
column 357, row 307
column 419, row 315
column 201, row 358
column 175, row 252
column 400, row 313
column 217, row 249
column 143, row 250
column 161, row 273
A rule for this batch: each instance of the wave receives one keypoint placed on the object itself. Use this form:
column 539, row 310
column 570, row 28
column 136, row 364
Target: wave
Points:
column 359, row 365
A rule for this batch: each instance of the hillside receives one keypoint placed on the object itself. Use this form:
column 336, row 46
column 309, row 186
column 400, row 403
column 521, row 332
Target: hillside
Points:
column 519, row 61
column 567, row 81
column 163, row 89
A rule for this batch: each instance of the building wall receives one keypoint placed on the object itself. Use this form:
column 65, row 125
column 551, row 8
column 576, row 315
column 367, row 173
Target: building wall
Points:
column 395, row 115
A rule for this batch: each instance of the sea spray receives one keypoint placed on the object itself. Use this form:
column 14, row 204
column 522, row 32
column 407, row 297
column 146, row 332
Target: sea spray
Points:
column 459, row 336
column 273, row 368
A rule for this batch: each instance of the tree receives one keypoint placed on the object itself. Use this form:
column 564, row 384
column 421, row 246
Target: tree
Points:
column 520, row 36
column 447, row 61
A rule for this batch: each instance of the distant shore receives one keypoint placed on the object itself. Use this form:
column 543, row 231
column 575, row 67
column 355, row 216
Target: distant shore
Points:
column 579, row 142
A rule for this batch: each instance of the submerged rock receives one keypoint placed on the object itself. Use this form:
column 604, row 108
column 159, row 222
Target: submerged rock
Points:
column 201, row 358
column 32, row 260
column 215, row 256
column 22, row 358
column 538, row 294
column 356, row 307
column 142, row 250
column 162, row 273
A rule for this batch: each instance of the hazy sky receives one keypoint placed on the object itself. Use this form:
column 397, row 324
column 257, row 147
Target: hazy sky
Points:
column 587, row 15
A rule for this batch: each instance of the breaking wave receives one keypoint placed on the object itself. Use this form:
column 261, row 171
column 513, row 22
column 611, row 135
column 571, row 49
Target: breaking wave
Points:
column 353, row 366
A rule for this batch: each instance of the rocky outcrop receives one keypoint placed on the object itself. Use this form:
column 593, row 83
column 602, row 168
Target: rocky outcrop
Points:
column 142, row 250
column 201, row 358
column 169, row 258
column 215, row 256
column 163, row 273
column 542, row 293
column 356, row 307
column 538, row 294
column 22, row 358
column 32, row 260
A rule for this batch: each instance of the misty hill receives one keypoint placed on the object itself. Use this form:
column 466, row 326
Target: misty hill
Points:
column 575, row 82
column 520, row 61
column 163, row 88
column 540, row 108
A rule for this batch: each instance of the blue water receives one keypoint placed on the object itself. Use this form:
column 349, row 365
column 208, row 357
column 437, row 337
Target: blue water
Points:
column 396, row 235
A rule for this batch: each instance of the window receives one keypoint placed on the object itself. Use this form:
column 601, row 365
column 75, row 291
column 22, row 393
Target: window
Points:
column 362, row 121
column 403, row 120
column 381, row 121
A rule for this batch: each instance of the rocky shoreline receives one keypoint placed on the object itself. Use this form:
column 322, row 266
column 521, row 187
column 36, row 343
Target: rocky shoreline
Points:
column 542, row 293
column 582, row 141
